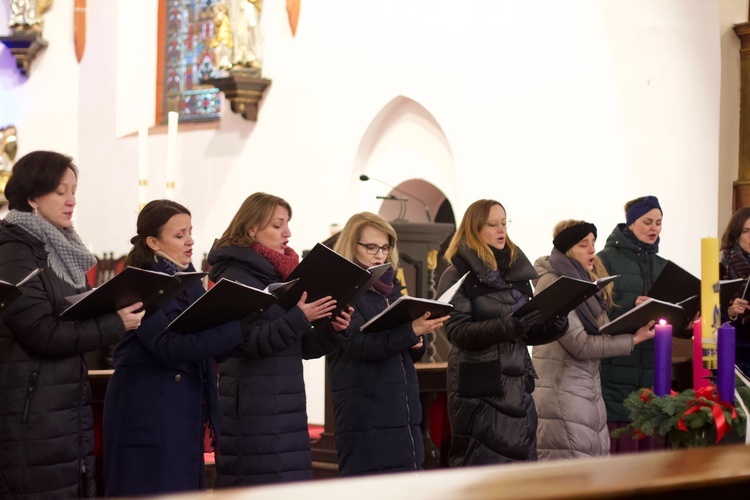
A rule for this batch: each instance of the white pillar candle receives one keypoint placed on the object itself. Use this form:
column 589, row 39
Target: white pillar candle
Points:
column 142, row 159
column 172, row 119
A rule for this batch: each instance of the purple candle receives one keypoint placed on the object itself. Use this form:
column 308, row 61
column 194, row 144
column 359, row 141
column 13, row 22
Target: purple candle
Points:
column 662, row 358
column 725, row 372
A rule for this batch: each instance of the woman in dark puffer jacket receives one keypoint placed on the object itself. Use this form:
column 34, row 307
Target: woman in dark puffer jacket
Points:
column 46, row 421
column 373, row 380
column 490, row 375
column 264, row 437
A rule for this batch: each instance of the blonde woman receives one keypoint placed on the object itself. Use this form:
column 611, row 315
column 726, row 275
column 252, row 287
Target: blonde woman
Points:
column 490, row 375
column 568, row 395
column 372, row 375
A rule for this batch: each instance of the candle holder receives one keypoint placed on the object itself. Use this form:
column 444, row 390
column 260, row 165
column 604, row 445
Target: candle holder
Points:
column 24, row 47
column 244, row 89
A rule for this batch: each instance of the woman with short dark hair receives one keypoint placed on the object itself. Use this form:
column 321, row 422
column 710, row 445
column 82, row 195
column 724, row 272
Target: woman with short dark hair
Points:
column 46, row 421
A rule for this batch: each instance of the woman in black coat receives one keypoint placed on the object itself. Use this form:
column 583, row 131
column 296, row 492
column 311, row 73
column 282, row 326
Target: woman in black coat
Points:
column 264, row 437
column 490, row 375
column 162, row 398
column 46, row 421
column 374, row 385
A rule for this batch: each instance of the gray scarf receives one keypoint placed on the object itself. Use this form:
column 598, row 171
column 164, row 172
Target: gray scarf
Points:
column 591, row 310
column 67, row 256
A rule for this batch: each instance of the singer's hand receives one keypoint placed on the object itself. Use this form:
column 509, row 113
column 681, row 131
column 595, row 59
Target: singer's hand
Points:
column 640, row 300
column 321, row 308
column 341, row 322
column 738, row 308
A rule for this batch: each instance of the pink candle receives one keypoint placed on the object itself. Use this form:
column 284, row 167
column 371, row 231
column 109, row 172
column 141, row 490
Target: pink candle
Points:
column 700, row 374
column 662, row 358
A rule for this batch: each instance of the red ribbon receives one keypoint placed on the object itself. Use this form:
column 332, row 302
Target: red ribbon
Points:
column 708, row 396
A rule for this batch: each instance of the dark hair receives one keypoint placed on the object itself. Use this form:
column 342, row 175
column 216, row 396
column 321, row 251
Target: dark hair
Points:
column 36, row 174
column 151, row 221
column 734, row 228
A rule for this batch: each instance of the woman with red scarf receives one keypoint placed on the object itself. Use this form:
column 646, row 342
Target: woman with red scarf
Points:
column 264, row 438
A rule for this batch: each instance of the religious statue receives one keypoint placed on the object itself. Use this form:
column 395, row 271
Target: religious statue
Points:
column 222, row 40
column 27, row 14
column 237, row 38
column 8, row 149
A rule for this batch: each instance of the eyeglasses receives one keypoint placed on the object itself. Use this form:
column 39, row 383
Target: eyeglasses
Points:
column 494, row 224
column 373, row 249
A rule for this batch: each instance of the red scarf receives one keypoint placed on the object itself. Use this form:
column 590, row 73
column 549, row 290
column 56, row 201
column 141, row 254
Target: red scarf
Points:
column 284, row 264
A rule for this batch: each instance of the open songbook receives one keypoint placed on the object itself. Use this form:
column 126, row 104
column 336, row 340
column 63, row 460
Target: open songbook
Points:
column 648, row 310
column 562, row 296
column 732, row 289
column 132, row 285
column 10, row 292
column 324, row 272
column 226, row 301
column 675, row 285
column 406, row 309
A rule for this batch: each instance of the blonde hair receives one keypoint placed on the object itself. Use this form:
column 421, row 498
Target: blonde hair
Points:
column 256, row 211
column 469, row 231
column 599, row 271
column 346, row 244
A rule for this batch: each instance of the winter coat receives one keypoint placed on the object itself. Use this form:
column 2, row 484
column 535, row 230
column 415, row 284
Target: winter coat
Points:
column 264, row 437
column 638, row 270
column 46, row 421
column 568, row 394
column 490, row 377
column 159, row 401
column 376, row 395
column 742, row 324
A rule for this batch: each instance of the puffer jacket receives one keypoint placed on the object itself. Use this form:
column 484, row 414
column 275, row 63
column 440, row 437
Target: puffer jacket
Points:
column 46, row 421
column 264, row 436
column 375, row 394
column 490, row 377
column 568, row 395
column 638, row 270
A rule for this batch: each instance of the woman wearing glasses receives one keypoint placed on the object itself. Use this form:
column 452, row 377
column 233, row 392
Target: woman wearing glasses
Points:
column 735, row 263
column 264, row 438
column 490, row 376
column 372, row 376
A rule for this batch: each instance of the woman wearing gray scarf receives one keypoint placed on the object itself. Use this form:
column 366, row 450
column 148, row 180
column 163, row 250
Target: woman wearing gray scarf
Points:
column 568, row 396
column 46, row 422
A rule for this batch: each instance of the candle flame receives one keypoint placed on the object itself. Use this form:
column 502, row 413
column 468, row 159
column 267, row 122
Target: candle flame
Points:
column 662, row 322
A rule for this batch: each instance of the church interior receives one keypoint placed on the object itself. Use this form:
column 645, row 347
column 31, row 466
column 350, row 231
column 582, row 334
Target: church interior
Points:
column 412, row 110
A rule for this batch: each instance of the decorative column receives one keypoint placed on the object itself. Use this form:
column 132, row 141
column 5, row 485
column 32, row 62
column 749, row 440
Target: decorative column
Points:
column 741, row 187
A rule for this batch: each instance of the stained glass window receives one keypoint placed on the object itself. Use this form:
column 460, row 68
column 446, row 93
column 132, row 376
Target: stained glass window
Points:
column 188, row 27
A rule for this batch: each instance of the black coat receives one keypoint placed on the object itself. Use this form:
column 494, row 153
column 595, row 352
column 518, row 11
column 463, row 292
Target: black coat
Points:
column 161, row 396
column 264, row 437
column 490, row 376
column 375, row 393
column 46, row 422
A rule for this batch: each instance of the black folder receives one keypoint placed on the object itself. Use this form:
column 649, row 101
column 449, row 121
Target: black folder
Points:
column 323, row 272
column 674, row 284
column 10, row 292
column 561, row 297
column 226, row 301
column 405, row 310
column 732, row 289
column 132, row 285
column 648, row 310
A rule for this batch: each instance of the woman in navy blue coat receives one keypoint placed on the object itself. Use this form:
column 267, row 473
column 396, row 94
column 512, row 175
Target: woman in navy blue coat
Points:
column 265, row 438
column 162, row 399
column 374, row 386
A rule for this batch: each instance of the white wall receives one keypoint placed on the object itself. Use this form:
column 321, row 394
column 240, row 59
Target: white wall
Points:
column 558, row 109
